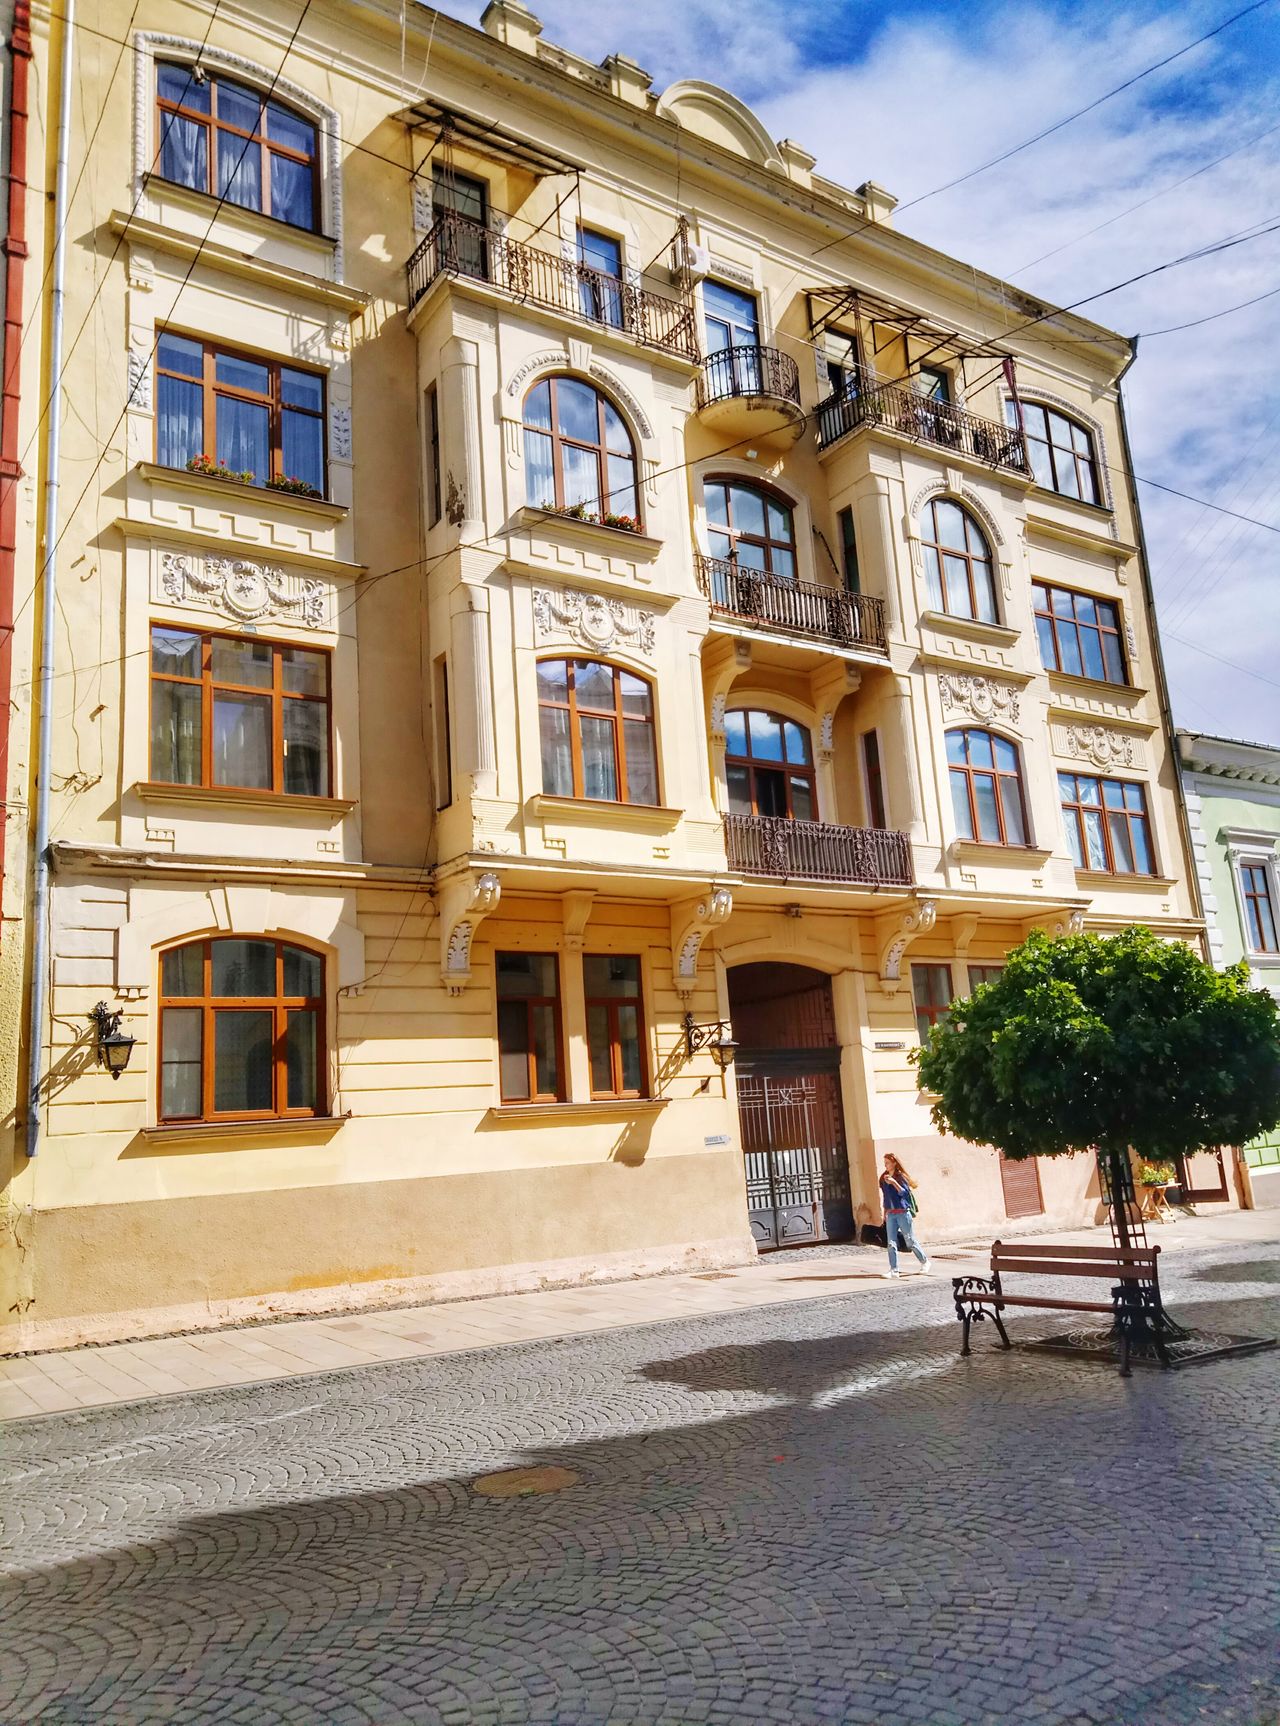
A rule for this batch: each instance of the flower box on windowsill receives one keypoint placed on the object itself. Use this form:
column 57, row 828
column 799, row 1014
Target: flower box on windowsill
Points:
column 596, row 811
column 243, row 496
column 619, row 541
column 238, row 797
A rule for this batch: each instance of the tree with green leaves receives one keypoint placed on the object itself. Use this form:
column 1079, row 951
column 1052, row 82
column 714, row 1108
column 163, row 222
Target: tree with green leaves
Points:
column 1119, row 1043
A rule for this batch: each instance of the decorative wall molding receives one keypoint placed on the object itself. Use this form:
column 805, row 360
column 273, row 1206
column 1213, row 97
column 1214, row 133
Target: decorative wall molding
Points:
column 827, row 734
column 339, row 432
column 465, row 901
column 1100, row 745
column 242, row 589
column 718, row 705
column 592, row 620
column 146, row 45
column 963, row 494
column 614, row 384
column 690, row 926
column 140, row 379
column 985, row 698
column 896, row 931
column 549, row 359
column 1067, row 920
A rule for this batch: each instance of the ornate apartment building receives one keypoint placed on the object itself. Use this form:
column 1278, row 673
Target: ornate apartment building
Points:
column 575, row 640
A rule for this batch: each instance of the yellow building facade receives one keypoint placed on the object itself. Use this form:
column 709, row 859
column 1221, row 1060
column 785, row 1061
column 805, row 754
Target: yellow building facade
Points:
column 551, row 587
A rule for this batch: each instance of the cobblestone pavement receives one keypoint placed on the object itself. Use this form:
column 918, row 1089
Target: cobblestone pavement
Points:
column 812, row 1513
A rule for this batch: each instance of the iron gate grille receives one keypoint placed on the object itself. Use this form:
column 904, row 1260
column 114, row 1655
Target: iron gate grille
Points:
column 796, row 1166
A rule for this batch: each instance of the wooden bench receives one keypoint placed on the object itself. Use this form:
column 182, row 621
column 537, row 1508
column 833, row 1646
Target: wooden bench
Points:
column 1135, row 1294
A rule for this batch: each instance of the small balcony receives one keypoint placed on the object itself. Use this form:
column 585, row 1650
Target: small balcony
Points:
column 751, row 392
column 799, row 608
column 785, row 850
column 867, row 400
column 458, row 246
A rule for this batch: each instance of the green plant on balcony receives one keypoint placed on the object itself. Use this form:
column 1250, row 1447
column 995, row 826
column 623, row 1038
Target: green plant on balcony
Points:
column 580, row 512
column 211, row 469
column 292, row 486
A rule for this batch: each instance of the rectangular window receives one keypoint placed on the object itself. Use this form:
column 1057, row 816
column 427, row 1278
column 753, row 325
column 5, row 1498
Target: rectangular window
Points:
column 530, row 1066
column 1108, row 828
column 849, row 551
column 432, row 416
column 931, row 382
column 873, row 779
column 460, row 204
column 444, row 744
column 1259, row 908
column 1079, row 633
column 615, row 1025
column 979, row 974
column 600, row 277
column 221, row 137
column 732, row 318
column 931, row 992
column 236, row 713
column 240, row 416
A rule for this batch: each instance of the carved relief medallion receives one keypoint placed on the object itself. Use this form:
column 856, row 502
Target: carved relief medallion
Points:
column 243, row 589
column 592, row 620
column 980, row 697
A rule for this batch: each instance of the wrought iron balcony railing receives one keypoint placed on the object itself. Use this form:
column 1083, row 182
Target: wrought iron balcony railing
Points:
column 817, row 851
column 867, row 400
column 749, row 370
column 794, row 607
column 459, row 246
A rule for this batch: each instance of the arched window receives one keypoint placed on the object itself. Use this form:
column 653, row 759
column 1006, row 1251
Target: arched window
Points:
column 241, row 1030
column 1060, row 451
column 219, row 136
column 957, row 562
column 986, row 788
column 596, row 724
column 769, row 765
column 750, row 525
column 578, row 453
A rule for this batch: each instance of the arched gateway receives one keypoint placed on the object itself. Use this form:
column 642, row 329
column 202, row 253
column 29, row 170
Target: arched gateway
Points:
column 789, row 1105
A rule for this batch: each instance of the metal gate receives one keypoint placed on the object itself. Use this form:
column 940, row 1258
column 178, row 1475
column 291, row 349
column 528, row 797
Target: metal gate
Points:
column 796, row 1162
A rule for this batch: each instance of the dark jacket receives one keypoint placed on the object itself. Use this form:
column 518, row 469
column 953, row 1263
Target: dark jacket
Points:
column 896, row 1194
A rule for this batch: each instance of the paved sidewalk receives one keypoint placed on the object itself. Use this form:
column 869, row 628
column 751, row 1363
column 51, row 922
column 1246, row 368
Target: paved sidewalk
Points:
column 97, row 1376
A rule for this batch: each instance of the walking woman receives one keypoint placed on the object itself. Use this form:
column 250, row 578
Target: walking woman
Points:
column 898, row 1195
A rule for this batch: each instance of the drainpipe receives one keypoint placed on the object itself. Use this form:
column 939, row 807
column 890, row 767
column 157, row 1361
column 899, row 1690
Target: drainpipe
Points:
column 1157, row 655
column 14, row 247
column 48, row 580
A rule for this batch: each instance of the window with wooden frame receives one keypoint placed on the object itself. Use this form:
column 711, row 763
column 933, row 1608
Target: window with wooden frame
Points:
column 849, row 551
column 980, row 974
column 600, row 290
column 241, row 1030
column 615, row 1024
column 1079, row 633
column 217, row 135
column 986, row 787
column 1060, row 450
column 873, row 778
column 1108, row 828
column 239, row 714
column 239, row 416
column 530, row 1033
column 931, row 994
column 957, row 562
column 750, row 526
column 578, row 454
column 597, row 731
column 768, row 765
column 1259, row 908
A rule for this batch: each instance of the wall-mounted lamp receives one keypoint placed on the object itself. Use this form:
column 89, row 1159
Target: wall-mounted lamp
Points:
column 716, row 1039
column 113, row 1046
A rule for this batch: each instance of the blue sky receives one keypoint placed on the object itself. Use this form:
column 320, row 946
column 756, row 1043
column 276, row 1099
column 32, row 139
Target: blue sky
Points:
column 912, row 92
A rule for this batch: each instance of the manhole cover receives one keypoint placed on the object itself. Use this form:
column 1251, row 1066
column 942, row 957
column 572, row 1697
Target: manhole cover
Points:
column 524, row 1482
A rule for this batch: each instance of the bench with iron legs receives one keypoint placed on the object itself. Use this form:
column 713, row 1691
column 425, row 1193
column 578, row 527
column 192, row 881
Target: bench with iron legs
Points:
column 1134, row 1307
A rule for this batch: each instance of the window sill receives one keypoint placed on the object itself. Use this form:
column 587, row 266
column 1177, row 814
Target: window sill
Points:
column 239, row 492
column 550, row 521
column 235, row 797
column 652, row 817
column 275, row 1127
column 1095, row 686
column 601, row 1108
column 1107, row 878
column 1262, row 961
column 976, row 629
column 982, row 850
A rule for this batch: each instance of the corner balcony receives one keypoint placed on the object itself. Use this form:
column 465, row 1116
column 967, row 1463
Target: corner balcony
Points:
column 802, row 609
column 772, row 846
column 457, row 246
column 867, row 401
column 751, row 392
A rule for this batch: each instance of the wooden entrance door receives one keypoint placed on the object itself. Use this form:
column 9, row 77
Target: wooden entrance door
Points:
column 1203, row 1178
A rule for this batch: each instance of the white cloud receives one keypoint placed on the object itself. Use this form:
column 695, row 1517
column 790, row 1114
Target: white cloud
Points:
column 912, row 100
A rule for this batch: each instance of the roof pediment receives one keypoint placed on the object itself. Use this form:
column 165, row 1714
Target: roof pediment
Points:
column 713, row 114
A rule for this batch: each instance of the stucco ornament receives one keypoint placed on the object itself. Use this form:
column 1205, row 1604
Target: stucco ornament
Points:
column 592, row 620
column 691, row 930
column 981, row 697
column 464, row 902
column 140, row 379
column 897, row 931
column 1101, row 745
column 242, row 589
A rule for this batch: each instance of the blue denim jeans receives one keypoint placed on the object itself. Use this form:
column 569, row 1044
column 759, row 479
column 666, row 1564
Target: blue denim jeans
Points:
column 897, row 1229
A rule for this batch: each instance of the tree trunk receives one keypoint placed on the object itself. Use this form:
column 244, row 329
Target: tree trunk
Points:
column 1116, row 1156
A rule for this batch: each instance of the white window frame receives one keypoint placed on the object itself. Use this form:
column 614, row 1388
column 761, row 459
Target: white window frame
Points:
column 1249, row 846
